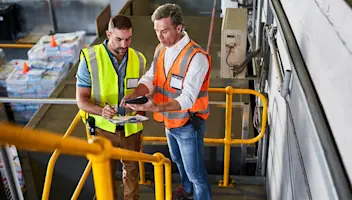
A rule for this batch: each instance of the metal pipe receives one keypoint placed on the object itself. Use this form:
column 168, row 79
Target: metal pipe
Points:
column 142, row 179
column 49, row 175
column 259, row 166
column 286, row 84
column 54, row 157
column 228, row 125
column 82, row 181
column 168, row 179
column 210, row 38
column 20, row 46
column 38, row 101
column 123, row 154
column 73, row 101
column 264, row 156
column 336, row 166
column 253, row 20
column 258, row 27
column 159, row 176
column 102, row 170
column 273, row 52
column 245, row 130
column 39, row 140
column 52, row 15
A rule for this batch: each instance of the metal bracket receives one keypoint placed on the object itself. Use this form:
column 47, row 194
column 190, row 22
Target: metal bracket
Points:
column 231, row 183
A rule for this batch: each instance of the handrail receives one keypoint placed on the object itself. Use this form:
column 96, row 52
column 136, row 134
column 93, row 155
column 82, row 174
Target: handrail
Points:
column 84, row 175
column 38, row 101
column 39, row 140
column 99, row 150
column 227, row 141
column 82, row 181
column 21, row 46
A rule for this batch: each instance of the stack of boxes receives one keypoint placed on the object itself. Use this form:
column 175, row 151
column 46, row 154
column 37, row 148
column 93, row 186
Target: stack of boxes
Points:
column 48, row 63
column 33, row 79
column 64, row 47
column 5, row 71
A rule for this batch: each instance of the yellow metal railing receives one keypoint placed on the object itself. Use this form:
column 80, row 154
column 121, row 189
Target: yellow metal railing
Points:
column 98, row 150
column 227, row 141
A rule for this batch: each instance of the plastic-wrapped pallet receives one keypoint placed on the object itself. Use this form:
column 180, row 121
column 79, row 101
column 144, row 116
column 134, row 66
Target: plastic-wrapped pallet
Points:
column 66, row 48
column 39, row 82
column 5, row 71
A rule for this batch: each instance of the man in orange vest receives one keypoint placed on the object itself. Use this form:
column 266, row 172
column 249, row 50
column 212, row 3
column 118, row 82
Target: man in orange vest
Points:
column 179, row 79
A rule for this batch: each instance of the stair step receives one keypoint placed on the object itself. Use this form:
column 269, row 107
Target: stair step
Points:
column 239, row 192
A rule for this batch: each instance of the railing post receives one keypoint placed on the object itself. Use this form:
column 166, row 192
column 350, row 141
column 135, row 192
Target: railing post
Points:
column 49, row 175
column 159, row 177
column 54, row 157
column 81, row 182
column 102, row 169
column 168, row 179
column 227, row 139
column 142, row 179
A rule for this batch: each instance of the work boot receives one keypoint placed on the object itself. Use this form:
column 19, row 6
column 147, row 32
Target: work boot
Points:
column 180, row 194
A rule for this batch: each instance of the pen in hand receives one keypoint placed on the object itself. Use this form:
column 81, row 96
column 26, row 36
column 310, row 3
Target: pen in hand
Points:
column 111, row 107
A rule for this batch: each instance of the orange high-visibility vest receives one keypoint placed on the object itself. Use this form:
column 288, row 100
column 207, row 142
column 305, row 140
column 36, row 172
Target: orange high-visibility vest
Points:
column 163, row 92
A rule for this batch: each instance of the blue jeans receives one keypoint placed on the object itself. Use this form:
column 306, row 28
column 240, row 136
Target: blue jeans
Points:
column 186, row 147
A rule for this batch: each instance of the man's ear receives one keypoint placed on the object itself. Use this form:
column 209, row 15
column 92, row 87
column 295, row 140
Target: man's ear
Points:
column 108, row 34
column 179, row 28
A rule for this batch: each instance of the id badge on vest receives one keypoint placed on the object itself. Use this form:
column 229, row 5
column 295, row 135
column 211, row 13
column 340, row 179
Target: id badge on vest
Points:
column 132, row 83
column 176, row 82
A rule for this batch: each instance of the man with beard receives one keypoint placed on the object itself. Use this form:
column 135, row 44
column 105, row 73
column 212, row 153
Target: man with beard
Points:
column 106, row 73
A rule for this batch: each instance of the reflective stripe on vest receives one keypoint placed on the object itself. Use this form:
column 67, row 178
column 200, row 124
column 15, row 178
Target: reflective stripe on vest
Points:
column 173, row 95
column 182, row 115
column 163, row 92
column 94, row 67
column 102, row 72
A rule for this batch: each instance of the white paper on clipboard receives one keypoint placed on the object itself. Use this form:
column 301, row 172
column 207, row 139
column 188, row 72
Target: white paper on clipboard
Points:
column 128, row 119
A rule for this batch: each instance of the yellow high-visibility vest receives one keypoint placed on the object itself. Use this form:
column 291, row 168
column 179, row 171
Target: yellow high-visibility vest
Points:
column 104, row 83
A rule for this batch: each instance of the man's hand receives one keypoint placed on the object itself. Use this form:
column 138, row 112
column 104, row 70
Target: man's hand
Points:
column 140, row 90
column 108, row 112
column 150, row 106
column 130, row 96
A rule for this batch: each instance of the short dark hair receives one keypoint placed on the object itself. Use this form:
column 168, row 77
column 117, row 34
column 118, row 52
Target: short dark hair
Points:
column 119, row 22
column 169, row 10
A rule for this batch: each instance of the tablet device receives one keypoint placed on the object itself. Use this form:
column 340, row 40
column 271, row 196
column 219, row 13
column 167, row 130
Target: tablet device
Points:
column 138, row 100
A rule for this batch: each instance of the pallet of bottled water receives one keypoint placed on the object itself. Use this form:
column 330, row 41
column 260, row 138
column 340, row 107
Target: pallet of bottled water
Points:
column 38, row 81
column 64, row 47
column 5, row 71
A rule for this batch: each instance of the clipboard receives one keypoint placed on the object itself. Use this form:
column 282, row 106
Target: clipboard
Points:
column 120, row 120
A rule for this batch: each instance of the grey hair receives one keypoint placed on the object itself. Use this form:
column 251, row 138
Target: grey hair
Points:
column 169, row 10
